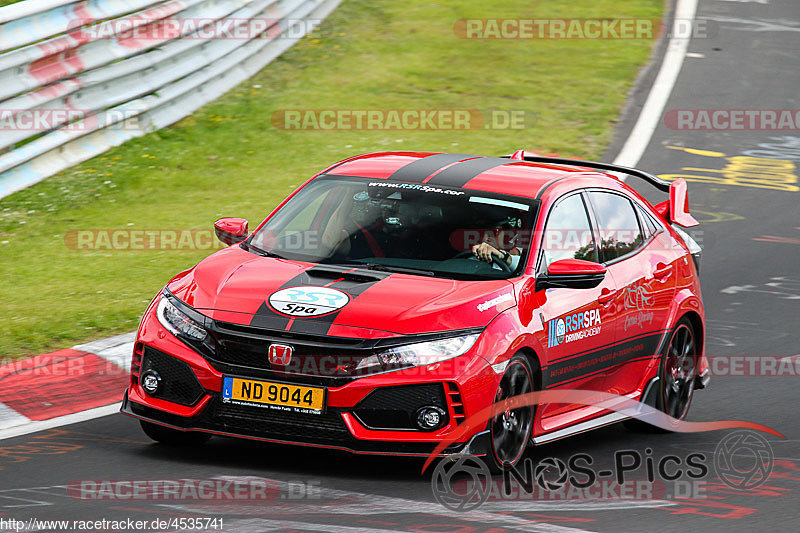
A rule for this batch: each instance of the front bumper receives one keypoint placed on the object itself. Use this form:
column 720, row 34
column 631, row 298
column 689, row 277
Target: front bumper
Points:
column 326, row 433
column 192, row 401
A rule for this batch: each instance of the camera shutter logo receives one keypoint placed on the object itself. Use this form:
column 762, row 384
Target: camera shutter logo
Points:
column 551, row 473
column 468, row 472
column 744, row 460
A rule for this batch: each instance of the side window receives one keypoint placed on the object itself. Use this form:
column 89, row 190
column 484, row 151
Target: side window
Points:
column 568, row 234
column 617, row 223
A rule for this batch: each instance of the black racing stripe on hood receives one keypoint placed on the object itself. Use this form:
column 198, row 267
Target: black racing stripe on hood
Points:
column 458, row 175
column 352, row 281
column 266, row 318
column 420, row 169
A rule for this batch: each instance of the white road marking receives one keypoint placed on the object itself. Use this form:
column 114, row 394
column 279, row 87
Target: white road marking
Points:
column 62, row 491
column 372, row 505
column 7, row 501
column 117, row 349
column 653, row 108
column 350, row 503
column 74, row 418
column 248, row 525
column 759, row 24
column 27, row 502
column 9, row 417
column 695, row 54
column 736, row 289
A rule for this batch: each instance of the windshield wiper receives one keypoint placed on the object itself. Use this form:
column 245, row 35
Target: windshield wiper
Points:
column 406, row 270
column 381, row 267
column 258, row 251
column 398, row 269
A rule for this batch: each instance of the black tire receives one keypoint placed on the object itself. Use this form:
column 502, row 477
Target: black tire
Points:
column 510, row 431
column 676, row 377
column 173, row 437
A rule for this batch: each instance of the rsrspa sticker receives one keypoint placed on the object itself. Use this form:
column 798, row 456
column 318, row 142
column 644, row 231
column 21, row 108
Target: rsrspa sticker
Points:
column 573, row 327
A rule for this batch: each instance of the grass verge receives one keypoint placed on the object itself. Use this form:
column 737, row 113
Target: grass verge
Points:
column 228, row 160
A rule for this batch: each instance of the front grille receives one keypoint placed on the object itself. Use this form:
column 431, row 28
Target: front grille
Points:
column 396, row 407
column 264, row 422
column 317, row 359
column 178, row 382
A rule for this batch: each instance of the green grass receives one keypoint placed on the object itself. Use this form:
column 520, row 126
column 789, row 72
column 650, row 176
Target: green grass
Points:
column 227, row 160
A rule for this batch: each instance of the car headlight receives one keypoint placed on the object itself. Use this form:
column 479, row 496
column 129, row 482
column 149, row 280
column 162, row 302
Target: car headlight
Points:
column 178, row 322
column 418, row 354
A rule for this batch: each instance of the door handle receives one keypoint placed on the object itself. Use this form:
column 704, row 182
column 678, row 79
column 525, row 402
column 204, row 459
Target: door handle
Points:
column 605, row 296
column 662, row 270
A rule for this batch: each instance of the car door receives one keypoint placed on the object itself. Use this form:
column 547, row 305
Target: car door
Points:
column 578, row 323
column 634, row 249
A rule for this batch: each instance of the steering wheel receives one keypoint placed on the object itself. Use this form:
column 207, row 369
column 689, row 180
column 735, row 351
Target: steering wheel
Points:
column 495, row 260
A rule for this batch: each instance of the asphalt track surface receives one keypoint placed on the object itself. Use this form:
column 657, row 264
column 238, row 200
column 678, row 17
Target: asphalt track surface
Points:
column 750, row 59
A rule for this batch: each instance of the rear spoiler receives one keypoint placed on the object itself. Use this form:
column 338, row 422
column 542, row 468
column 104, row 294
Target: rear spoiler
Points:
column 674, row 210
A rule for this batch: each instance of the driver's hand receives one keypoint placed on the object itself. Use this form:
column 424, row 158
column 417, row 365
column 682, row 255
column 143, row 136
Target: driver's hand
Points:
column 484, row 251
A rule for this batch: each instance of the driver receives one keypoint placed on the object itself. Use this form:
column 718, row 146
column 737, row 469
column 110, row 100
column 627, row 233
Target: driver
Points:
column 501, row 244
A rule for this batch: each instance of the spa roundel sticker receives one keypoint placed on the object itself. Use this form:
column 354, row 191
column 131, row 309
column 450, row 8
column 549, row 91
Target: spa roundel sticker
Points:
column 308, row 301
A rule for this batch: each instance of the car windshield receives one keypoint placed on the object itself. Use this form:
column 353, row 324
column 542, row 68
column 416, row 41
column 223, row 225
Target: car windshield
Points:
column 402, row 227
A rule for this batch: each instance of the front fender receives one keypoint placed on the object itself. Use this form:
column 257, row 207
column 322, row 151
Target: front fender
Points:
column 506, row 335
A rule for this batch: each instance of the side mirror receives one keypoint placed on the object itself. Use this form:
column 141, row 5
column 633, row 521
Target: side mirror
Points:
column 572, row 274
column 231, row 230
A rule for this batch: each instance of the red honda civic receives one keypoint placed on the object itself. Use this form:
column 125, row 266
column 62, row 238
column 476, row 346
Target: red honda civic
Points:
column 396, row 294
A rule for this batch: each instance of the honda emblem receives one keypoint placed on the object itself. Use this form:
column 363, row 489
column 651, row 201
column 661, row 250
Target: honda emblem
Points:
column 280, row 354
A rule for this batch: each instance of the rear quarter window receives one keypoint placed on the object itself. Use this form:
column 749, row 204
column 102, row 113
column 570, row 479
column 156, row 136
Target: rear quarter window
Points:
column 649, row 226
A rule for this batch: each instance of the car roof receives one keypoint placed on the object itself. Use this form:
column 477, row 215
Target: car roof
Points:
column 473, row 172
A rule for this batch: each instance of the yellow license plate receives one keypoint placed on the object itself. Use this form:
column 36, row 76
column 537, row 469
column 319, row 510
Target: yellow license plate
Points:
column 279, row 396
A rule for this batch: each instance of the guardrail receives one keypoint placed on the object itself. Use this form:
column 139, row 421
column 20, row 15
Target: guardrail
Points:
column 77, row 78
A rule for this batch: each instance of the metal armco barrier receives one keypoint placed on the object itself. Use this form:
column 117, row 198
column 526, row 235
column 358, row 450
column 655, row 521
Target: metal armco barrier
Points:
column 77, row 78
